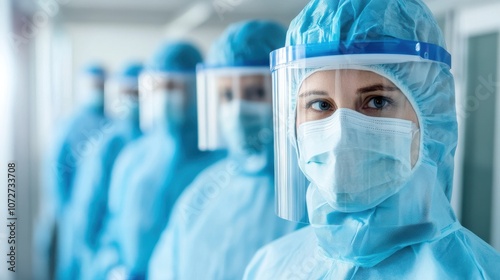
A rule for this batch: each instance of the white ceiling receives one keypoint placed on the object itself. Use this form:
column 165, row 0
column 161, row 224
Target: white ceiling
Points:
column 128, row 4
column 220, row 12
column 216, row 12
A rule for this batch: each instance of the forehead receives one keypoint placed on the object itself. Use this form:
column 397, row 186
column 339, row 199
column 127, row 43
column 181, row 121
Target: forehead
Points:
column 243, row 79
column 345, row 78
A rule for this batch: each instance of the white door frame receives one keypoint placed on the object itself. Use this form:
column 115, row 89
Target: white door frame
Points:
column 475, row 21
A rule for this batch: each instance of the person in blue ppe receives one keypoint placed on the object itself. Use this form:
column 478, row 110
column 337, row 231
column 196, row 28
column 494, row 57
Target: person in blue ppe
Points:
column 367, row 117
column 84, row 217
column 72, row 139
column 227, row 213
column 151, row 173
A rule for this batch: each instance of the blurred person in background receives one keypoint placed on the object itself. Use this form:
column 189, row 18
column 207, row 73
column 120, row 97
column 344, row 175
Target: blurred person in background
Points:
column 72, row 143
column 227, row 213
column 368, row 103
column 83, row 219
column 151, row 173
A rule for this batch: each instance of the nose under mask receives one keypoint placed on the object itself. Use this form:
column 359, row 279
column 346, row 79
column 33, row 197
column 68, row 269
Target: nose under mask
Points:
column 356, row 161
column 246, row 126
column 163, row 108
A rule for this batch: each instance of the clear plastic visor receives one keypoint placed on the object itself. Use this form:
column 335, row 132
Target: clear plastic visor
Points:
column 91, row 88
column 165, row 98
column 120, row 97
column 217, row 87
column 342, row 126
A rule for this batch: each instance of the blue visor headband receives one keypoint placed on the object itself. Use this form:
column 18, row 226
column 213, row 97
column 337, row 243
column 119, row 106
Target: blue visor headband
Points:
column 246, row 64
column 369, row 52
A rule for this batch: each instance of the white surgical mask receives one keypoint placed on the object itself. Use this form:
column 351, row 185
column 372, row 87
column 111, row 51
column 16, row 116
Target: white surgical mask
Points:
column 247, row 130
column 120, row 107
column 162, row 108
column 171, row 106
column 356, row 161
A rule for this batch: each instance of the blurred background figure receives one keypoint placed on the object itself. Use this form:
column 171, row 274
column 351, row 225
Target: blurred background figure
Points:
column 227, row 213
column 46, row 44
column 151, row 173
column 83, row 220
column 72, row 144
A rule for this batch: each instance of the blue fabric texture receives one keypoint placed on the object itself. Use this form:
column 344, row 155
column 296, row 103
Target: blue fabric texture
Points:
column 246, row 43
column 217, row 225
column 166, row 58
column 148, row 178
column 83, row 131
column 71, row 145
column 131, row 70
column 95, row 70
column 83, row 221
column 145, row 184
column 414, row 233
column 227, row 213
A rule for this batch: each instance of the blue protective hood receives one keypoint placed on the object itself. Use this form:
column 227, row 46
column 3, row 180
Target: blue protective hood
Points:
column 246, row 43
column 368, row 237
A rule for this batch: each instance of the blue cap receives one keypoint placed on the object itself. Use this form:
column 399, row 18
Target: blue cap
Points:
column 130, row 70
column 363, row 20
column 94, row 69
column 247, row 43
column 175, row 57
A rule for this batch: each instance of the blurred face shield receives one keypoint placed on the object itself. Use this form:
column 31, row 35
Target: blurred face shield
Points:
column 166, row 100
column 235, row 109
column 120, row 97
column 91, row 88
column 343, row 126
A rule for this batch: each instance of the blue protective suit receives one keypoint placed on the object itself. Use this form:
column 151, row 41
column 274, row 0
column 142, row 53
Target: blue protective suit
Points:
column 413, row 234
column 82, row 222
column 145, row 185
column 79, row 133
column 71, row 144
column 149, row 176
column 72, row 147
column 84, row 219
column 217, row 225
column 227, row 213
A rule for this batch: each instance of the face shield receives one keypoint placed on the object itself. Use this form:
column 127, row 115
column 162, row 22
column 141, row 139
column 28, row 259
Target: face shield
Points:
column 234, row 109
column 92, row 88
column 344, row 127
column 167, row 100
column 120, row 97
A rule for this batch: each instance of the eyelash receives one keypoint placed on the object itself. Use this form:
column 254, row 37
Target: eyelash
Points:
column 312, row 102
column 388, row 101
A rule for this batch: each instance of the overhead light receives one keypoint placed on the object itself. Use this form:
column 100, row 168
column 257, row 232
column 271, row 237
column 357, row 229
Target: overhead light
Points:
column 193, row 17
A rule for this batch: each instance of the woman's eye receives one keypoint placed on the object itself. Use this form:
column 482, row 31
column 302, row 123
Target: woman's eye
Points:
column 321, row 106
column 378, row 102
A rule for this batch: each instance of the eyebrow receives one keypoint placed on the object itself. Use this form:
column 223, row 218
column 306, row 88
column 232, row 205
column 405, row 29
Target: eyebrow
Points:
column 313, row 92
column 376, row 87
column 363, row 90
